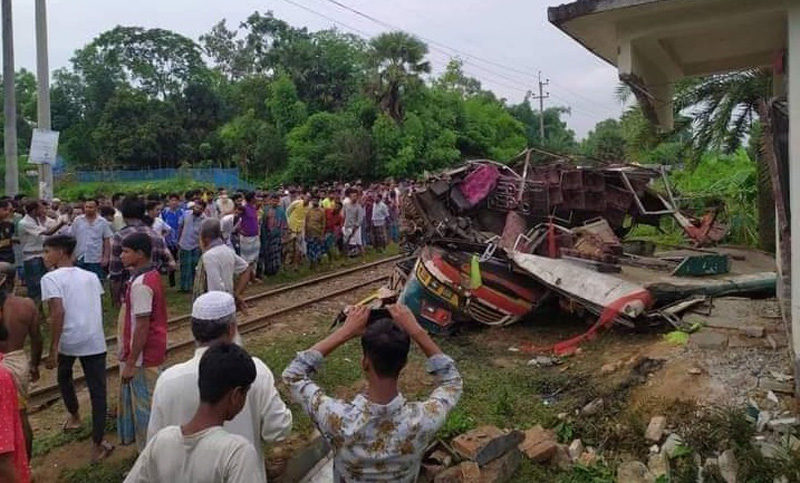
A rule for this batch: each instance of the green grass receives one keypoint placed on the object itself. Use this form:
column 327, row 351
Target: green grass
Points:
column 44, row 445
column 101, row 473
column 72, row 190
column 181, row 303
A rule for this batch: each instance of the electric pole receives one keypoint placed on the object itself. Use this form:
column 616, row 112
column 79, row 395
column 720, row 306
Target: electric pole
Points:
column 9, row 102
column 43, row 94
column 541, row 97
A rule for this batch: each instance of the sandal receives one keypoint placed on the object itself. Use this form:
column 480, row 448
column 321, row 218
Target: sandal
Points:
column 70, row 429
column 106, row 450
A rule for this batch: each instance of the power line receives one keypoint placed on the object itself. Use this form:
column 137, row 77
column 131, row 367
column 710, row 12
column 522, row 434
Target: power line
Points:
column 521, row 87
column 459, row 51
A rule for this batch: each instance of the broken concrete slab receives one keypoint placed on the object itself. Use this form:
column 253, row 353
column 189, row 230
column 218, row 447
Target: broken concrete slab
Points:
column 466, row 472
column 634, row 472
column 755, row 331
column 561, row 459
column 768, row 384
column 658, row 464
column 428, row 472
column 671, row 445
column 709, row 339
column 783, row 424
column 501, row 469
column 728, row 466
column 575, row 449
column 593, row 407
column 739, row 341
column 655, row 430
column 539, row 445
column 763, row 418
column 588, row 458
column 486, row 443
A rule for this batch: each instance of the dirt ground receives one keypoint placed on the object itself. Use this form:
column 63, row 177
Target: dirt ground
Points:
column 639, row 374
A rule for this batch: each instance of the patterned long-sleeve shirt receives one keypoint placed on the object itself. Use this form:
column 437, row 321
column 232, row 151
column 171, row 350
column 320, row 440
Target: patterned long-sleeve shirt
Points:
column 374, row 442
column 161, row 257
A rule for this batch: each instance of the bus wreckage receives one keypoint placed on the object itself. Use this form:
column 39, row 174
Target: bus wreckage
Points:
column 493, row 243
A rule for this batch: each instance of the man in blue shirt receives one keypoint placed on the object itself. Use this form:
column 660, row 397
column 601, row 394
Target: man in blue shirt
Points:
column 172, row 215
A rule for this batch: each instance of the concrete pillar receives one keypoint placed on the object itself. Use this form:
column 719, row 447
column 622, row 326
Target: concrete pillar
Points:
column 658, row 84
column 794, row 175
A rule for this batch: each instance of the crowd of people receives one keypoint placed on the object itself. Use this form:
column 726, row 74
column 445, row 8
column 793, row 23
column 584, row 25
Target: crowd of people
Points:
column 204, row 420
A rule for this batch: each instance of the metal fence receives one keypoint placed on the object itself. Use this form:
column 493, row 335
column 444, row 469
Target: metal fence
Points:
column 214, row 177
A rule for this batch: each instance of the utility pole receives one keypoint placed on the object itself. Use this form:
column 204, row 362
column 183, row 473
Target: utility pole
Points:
column 541, row 97
column 9, row 102
column 43, row 94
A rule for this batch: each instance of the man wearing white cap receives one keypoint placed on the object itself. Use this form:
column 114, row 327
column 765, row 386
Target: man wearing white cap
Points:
column 176, row 396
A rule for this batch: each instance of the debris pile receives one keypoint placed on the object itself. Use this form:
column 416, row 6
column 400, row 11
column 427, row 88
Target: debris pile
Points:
column 489, row 454
column 494, row 243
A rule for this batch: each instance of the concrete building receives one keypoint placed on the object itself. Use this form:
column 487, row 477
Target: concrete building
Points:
column 654, row 43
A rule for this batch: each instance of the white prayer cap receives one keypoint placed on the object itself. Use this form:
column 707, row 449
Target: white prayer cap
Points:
column 213, row 306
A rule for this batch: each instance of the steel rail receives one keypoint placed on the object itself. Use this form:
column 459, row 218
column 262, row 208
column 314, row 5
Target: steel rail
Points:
column 176, row 322
column 44, row 397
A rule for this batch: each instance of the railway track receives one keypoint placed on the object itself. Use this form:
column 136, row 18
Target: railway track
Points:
column 44, row 397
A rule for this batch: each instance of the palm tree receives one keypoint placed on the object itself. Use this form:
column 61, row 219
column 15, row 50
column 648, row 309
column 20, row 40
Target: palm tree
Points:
column 399, row 59
column 722, row 111
column 723, row 106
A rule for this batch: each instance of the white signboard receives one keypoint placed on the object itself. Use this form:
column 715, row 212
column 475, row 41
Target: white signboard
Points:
column 44, row 147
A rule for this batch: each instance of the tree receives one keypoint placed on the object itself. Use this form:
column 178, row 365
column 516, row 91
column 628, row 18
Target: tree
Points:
column 158, row 62
column 490, row 130
column 605, row 142
column 285, row 108
column 231, row 56
column 454, row 79
column 255, row 145
column 558, row 138
column 280, row 103
column 398, row 59
column 723, row 106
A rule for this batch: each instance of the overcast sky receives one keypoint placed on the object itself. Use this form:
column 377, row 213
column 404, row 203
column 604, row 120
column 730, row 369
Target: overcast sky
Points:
column 504, row 43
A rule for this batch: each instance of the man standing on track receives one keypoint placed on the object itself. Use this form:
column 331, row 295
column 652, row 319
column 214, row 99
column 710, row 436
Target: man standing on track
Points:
column 20, row 319
column 353, row 218
column 274, row 231
column 220, row 268
column 249, row 241
column 74, row 299
column 296, row 214
column 32, row 233
column 133, row 212
column 172, row 217
column 201, row 451
column 264, row 416
column 143, row 341
column 189, row 242
column 93, row 236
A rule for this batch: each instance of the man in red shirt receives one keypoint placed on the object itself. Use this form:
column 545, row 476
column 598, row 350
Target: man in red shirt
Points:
column 144, row 339
column 13, row 456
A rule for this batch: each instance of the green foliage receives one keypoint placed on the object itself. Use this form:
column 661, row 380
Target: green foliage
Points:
column 104, row 473
column 73, row 190
column 726, row 180
column 606, row 142
column 558, row 137
column 280, row 102
column 457, row 422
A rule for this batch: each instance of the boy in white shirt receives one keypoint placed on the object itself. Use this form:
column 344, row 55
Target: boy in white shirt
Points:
column 73, row 297
column 201, row 451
